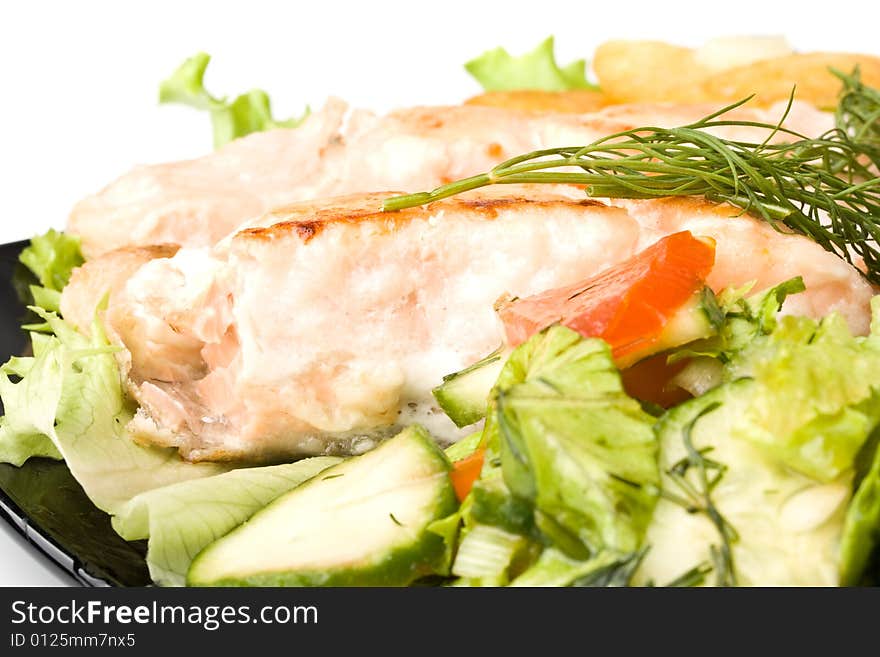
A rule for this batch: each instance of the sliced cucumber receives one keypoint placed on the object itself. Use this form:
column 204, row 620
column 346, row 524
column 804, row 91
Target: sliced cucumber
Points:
column 464, row 447
column 360, row 523
column 465, row 394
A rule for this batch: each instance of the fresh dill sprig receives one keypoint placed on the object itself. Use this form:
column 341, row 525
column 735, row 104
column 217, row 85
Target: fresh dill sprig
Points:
column 821, row 187
column 693, row 577
column 696, row 497
column 858, row 111
column 617, row 573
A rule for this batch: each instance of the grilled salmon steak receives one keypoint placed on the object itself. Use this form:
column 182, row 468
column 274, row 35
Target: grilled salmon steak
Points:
column 338, row 151
column 322, row 325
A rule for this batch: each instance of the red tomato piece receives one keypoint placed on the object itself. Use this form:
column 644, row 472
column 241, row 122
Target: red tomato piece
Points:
column 626, row 305
column 465, row 472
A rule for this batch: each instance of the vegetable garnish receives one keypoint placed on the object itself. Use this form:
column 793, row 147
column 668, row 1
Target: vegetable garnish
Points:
column 51, row 257
column 858, row 113
column 627, row 305
column 465, row 472
column 792, row 417
column 568, row 477
column 573, row 446
column 653, row 301
column 247, row 113
column 696, row 497
column 693, row 577
column 820, row 187
column 497, row 70
column 861, row 531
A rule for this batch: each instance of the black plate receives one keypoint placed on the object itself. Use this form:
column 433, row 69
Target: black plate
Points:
column 41, row 499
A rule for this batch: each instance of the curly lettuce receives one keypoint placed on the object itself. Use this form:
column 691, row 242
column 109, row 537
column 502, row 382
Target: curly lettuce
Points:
column 812, row 404
column 498, row 70
column 860, row 543
column 51, row 257
column 230, row 119
column 570, row 466
column 784, row 432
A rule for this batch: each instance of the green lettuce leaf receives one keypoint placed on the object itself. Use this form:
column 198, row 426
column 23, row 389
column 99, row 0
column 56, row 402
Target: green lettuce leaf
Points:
column 51, row 257
column 785, row 431
column 860, row 545
column 811, row 380
column 553, row 568
column 571, row 460
column 769, row 525
column 71, row 396
column 861, row 529
column 246, row 113
column 19, row 438
column 497, row 70
column 183, row 518
column 575, row 444
column 464, row 447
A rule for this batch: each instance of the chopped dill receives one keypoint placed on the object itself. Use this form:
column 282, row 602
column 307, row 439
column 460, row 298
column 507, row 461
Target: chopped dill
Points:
column 696, row 497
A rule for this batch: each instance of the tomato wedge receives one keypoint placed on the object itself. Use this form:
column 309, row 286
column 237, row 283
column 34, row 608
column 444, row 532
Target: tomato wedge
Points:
column 627, row 305
column 465, row 472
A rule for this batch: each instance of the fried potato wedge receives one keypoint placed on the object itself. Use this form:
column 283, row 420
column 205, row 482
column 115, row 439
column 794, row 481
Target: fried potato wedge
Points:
column 772, row 80
column 653, row 71
column 724, row 53
column 577, row 101
column 649, row 71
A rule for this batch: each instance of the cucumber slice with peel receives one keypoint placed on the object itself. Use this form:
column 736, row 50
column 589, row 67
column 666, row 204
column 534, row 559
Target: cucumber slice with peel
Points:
column 463, row 396
column 360, row 523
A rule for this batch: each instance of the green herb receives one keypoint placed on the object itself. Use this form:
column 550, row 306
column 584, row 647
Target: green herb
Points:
column 618, row 573
column 858, row 113
column 697, row 498
column 693, row 577
column 820, row 187
column 395, row 520
column 333, row 476
column 247, row 113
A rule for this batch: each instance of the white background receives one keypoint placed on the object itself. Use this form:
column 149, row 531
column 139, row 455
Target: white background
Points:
column 78, row 80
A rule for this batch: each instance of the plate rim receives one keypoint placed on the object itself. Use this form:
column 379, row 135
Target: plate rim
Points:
column 47, row 547
column 43, row 544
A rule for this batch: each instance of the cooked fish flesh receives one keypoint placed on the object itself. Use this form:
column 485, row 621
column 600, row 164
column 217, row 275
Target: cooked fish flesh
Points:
column 323, row 324
column 338, row 151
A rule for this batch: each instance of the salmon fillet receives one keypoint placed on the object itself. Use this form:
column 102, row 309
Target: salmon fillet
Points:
column 338, row 151
column 323, row 325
